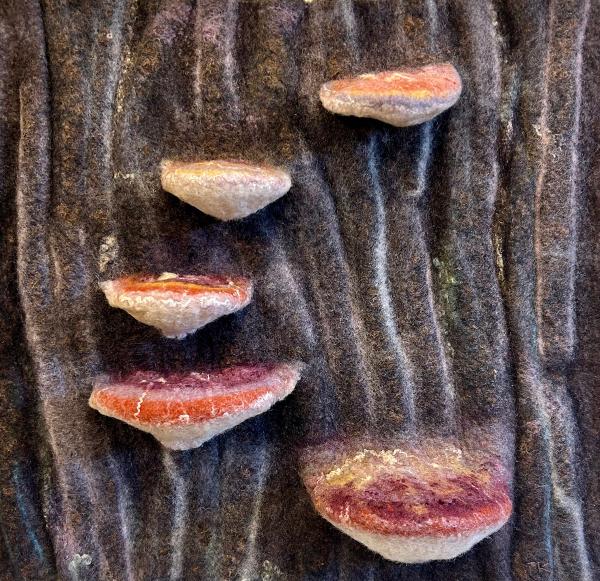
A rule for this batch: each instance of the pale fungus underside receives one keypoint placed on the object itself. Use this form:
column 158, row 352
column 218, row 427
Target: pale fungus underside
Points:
column 175, row 304
column 224, row 189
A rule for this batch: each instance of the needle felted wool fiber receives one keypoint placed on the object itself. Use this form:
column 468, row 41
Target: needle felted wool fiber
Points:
column 438, row 281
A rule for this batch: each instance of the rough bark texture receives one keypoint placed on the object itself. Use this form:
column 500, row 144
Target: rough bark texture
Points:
column 436, row 280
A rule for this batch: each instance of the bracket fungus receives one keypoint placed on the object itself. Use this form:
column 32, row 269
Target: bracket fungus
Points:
column 184, row 410
column 178, row 304
column 400, row 97
column 409, row 504
column 227, row 190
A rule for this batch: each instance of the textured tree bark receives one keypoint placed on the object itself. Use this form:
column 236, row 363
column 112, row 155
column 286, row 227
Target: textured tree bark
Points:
column 438, row 280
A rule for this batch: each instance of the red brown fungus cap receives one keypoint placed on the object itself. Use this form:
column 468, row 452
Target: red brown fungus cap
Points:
column 184, row 410
column 178, row 304
column 410, row 504
column 227, row 190
column 401, row 97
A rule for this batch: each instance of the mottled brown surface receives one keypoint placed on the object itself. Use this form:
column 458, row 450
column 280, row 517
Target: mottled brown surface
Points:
column 436, row 279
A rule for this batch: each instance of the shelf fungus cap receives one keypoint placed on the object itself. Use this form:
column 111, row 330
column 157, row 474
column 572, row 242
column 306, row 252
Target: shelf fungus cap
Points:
column 178, row 304
column 409, row 504
column 184, row 410
column 400, row 97
column 227, row 190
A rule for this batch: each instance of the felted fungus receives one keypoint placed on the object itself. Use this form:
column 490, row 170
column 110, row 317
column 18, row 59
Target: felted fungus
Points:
column 409, row 504
column 227, row 190
column 401, row 97
column 178, row 304
column 184, row 410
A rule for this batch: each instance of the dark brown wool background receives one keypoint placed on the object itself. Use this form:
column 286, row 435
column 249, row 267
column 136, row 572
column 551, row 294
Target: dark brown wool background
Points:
column 437, row 280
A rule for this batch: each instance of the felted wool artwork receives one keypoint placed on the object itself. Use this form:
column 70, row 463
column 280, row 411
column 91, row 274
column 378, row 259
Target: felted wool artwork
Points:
column 439, row 282
column 185, row 410
column 410, row 503
column 175, row 304
column 225, row 189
